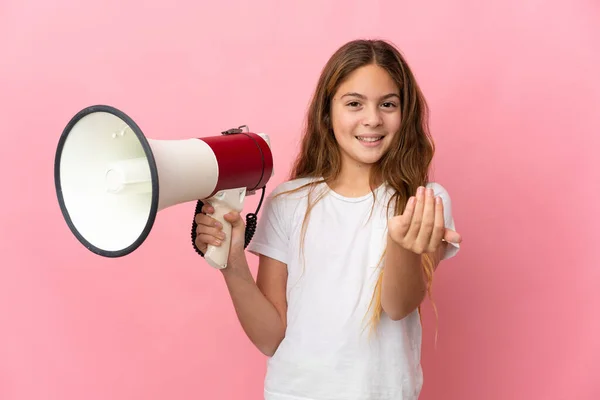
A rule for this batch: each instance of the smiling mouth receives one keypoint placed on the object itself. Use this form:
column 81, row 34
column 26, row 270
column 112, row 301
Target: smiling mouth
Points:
column 370, row 139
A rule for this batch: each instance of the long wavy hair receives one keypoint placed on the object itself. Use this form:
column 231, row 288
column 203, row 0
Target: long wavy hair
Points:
column 404, row 167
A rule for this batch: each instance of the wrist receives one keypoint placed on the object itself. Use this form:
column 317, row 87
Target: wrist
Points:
column 400, row 251
column 236, row 263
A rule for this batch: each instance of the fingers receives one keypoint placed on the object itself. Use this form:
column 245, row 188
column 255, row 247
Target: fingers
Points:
column 410, row 208
column 217, row 232
column 203, row 240
column 421, row 227
column 203, row 219
column 202, row 246
column 427, row 221
column 206, row 235
column 402, row 224
column 438, row 226
column 234, row 219
column 452, row 236
column 207, row 209
column 417, row 217
column 208, row 229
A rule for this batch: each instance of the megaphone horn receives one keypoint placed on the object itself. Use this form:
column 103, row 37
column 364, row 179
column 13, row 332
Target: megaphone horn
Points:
column 111, row 180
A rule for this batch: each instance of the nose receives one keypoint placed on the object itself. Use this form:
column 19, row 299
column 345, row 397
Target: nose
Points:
column 372, row 117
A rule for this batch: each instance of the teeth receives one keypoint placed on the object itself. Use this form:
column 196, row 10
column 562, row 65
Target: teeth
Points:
column 370, row 139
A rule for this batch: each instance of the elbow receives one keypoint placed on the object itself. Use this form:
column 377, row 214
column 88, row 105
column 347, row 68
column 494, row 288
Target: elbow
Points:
column 268, row 349
column 397, row 314
column 267, row 341
column 399, row 310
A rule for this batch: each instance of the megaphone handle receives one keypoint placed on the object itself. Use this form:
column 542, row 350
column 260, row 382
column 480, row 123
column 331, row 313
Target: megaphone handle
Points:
column 217, row 256
column 223, row 203
column 251, row 223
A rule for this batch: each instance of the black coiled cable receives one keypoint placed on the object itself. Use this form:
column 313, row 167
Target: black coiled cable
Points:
column 251, row 222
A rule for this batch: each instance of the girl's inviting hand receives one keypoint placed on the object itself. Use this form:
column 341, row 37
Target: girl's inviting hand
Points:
column 420, row 228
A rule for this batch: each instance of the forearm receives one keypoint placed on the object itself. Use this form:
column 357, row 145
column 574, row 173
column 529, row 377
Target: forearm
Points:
column 404, row 283
column 258, row 316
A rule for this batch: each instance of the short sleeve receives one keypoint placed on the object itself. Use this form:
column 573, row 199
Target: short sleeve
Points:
column 439, row 190
column 271, row 237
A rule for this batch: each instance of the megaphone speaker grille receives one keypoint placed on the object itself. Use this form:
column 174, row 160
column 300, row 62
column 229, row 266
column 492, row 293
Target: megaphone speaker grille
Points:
column 106, row 181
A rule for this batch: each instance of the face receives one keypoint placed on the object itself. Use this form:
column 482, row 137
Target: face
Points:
column 365, row 114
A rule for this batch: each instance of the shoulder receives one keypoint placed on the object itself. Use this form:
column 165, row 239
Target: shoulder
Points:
column 293, row 189
column 281, row 209
column 288, row 200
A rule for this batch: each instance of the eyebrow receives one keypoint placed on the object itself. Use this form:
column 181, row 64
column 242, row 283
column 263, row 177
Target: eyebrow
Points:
column 362, row 96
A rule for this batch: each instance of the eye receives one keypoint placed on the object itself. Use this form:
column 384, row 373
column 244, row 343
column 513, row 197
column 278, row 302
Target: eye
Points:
column 389, row 104
column 353, row 104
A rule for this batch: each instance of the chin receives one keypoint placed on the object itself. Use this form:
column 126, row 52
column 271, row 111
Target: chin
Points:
column 369, row 159
column 370, row 156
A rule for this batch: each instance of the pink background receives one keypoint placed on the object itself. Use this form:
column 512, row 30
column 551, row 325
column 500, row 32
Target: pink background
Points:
column 515, row 99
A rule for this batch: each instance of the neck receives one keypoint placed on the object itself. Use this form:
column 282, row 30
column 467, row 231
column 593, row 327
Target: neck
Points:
column 353, row 180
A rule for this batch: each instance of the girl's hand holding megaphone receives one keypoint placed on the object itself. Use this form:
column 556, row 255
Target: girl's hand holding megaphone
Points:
column 210, row 231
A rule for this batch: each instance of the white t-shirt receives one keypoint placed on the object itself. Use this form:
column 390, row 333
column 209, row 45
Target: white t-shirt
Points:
column 329, row 352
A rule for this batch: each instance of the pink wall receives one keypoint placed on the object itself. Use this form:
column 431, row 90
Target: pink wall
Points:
column 515, row 97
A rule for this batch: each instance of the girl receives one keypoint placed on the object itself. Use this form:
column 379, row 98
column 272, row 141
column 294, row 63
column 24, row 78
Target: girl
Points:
column 350, row 242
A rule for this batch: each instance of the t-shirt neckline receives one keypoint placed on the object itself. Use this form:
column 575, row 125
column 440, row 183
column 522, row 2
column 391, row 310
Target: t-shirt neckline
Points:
column 353, row 199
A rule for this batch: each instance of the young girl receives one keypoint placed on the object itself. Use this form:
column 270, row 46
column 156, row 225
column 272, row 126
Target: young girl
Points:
column 348, row 246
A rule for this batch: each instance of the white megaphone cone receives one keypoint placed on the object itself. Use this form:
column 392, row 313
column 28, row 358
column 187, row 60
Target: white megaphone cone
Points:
column 111, row 180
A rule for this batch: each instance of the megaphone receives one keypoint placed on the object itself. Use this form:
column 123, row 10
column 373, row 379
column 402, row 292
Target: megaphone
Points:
column 111, row 180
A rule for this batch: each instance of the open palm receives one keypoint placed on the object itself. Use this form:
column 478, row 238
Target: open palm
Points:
column 420, row 228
